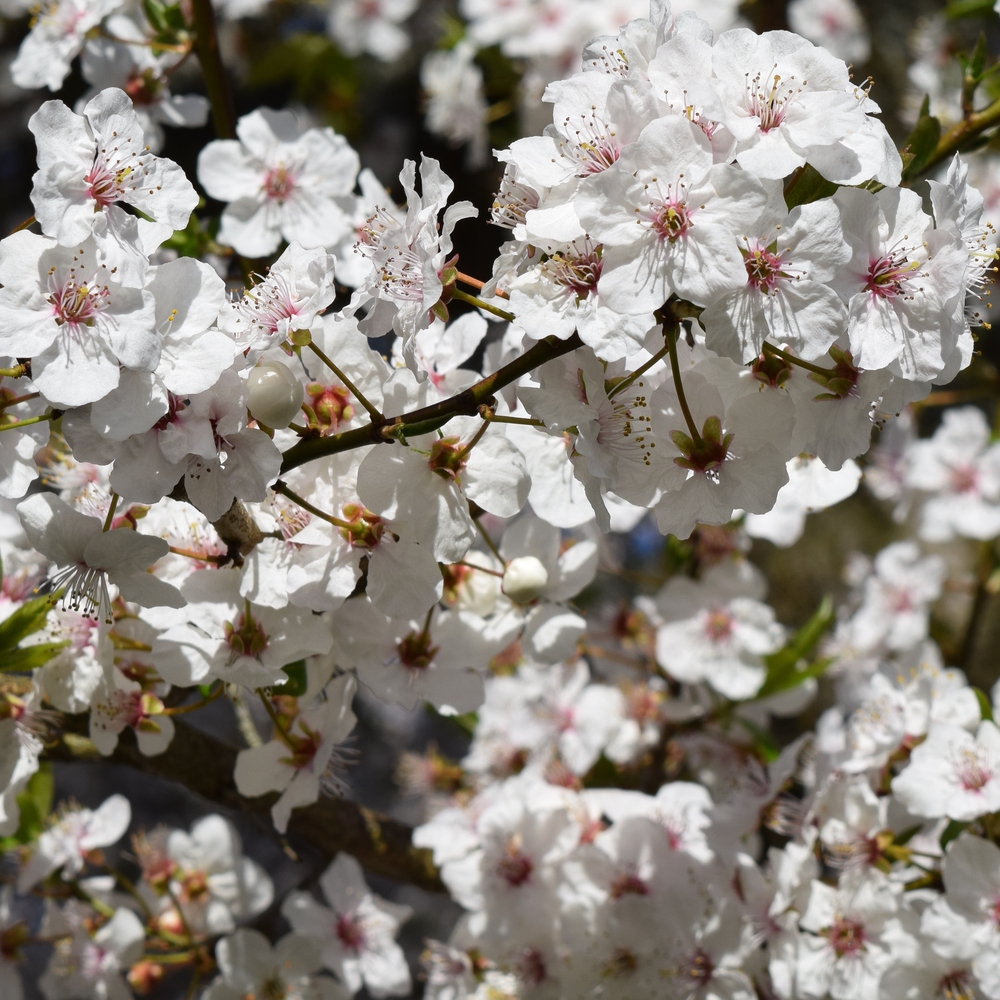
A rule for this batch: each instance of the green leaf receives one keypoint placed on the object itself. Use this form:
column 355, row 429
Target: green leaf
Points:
column 35, row 803
column 907, row 835
column 297, row 681
column 976, row 63
column 920, row 143
column 807, row 185
column 784, row 668
column 968, row 8
column 763, row 742
column 951, row 831
column 468, row 721
column 985, row 708
column 26, row 620
column 29, row 657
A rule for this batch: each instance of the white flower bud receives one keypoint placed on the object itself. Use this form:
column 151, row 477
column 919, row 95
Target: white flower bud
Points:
column 275, row 394
column 524, row 579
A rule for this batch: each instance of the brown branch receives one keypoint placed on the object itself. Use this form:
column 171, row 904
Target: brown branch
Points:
column 429, row 418
column 204, row 765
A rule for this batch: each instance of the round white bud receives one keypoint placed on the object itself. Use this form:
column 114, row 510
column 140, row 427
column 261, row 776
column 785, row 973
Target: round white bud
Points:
column 524, row 579
column 275, row 394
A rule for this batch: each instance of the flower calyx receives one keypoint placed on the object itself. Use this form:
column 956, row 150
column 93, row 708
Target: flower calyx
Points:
column 842, row 379
column 708, row 452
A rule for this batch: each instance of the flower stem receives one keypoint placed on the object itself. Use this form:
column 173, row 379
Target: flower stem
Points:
column 671, row 332
column 793, row 360
column 373, row 411
column 4, row 403
column 477, row 437
column 640, row 371
column 276, row 721
column 457, row 293
column 476, row 283
column 200, row 556
column 488, row 415
column 110, row 519
column 958, row 135
column 184, row 709
column 490, row 544
column 216, row 83
column 282, row 488
column 29, row 221
column 17, row 371
column 27, row 423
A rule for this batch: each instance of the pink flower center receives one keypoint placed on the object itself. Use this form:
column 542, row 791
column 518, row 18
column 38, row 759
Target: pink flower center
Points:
column 673, row 220
column 78, row 303
column 514, row 867
column 628, row 884
column 327, row 407
column 963, row 478
column 593, row 144
column 697, row 970
column 579, row 273
column 767, row 100
column 974, row 768
column 889, row 274
column 350, row 932
column 718, row 625
column 957, row 985
column 764, row 267
column 847, row 937
column 279, row 183
column 415, row 651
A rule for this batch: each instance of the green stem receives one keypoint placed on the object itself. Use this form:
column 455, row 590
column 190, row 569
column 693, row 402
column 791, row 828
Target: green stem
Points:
column 282, row 488
column 488, row 415
column 29, row 221
column 958, row 135
column 490, row 544
column 184, row 709
column 207, row 46
column 4, row 403
column 640, row 371
column 793, row 360
column 465, row 403
column 276, row 721
column 671, row 334
column 18, row 370
column 457, row 293
column 373, row 411
column 26, row 423
column 110, row 519
column 477, row 437
column 467, row 279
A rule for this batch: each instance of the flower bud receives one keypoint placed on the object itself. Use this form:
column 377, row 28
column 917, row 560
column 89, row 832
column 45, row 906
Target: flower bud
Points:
column 524, row 579
column 275, row 394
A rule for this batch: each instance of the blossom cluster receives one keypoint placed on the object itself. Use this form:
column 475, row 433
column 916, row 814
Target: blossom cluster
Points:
column 344, row 476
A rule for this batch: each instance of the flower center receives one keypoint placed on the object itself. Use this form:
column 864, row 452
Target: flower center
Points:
column 889, row 275
column 144, row 88
column 514, row 867
column 956, row 985
column 764, row 267
column 974, row 768
column 767, row 100
column 593, row 144
column 628, row 884
column 447, row 458
column 279, row 184
column 350, row 932
column 622, row 963
column 328, row 407
column 577, row 272
column 706, row 455
column 697, row 970
column 963, row 478
column 366, row 529
column 78, row 304
column 847, row 937
column 415, row 651
column 718, row 625
column 673, row 220
column 246, row 637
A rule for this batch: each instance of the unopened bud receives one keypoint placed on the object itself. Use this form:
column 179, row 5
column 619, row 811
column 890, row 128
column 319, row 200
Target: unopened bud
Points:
column 275, row 394
column 524, row 579
column 144, row 976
